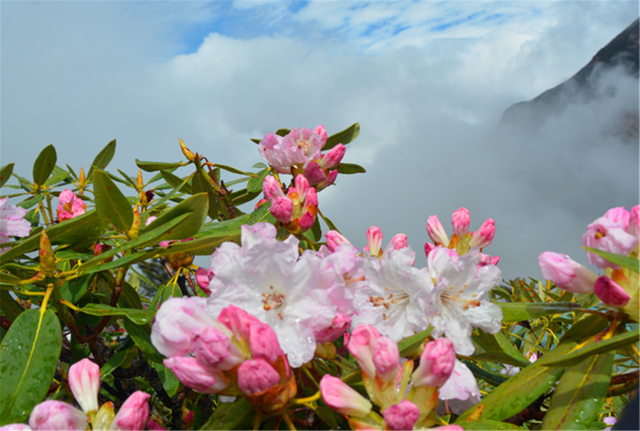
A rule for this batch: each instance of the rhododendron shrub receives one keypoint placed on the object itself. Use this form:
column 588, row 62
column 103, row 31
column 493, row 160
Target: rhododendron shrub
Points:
column 107, row 323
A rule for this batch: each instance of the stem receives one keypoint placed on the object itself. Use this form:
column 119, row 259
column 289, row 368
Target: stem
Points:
column 257, row 421
column 287, row 420
column 308, row 400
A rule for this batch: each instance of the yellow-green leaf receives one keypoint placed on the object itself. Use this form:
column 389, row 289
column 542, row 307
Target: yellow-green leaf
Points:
column 346, row 136
column 112, row 206
column 44, row 165
column 5, row 174
column 103, row 158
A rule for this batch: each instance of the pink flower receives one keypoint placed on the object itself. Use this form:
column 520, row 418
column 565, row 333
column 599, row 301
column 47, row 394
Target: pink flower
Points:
column 214, row 349
column 461, row 220
column 203, row 278
column 69, row 205
column 566, row 273
column 341, row 323
column 634, row 221
column 12, row 222
column 334, row 239
column 386, row 358
column 264, row 342
column 303, row 145
column 271, row 188
column 84, row 381
column 361, row 347
column 401, row 416
column 436, row 231
column 610, row 292
column 436, row 364
column 619, row 215
column 374, row 241
column 342, row 398
column 297, row 210
column 607, row 235
column 134, row 413
column 56, row 415
column 256, row 375
column 333, row 157
column 397, row 242
column 483, row 236
column 15, row 427
column 282, row 209
column 461, row 389
column 193, row 374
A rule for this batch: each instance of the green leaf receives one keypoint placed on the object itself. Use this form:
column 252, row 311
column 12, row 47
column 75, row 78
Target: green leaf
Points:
column 10, row 308
column 499, row 358
column 112, row 206
column 73, row 290
column 255, row 183
column 141, row 335
column 28, row 359
column 229, row 416
column 609, row 345
column 624, row 261
column 580, row 395
column 196, row 206
column 44, row 165
column 517, row 311
column 243, row 196
column 175, row 181
column 489, row 377
column 350, row 168
column 139, row 317
column 5, row 174
column 345, row 137
column 233, row 170
column 488, row 425
column 159, row 166
column 59, row 175
column 328, row 222
column 115, row 361
column 586, row 327
column 316, row 230
column 169, row 381
column 199, row 184
column 412, row 343
column 103, row 158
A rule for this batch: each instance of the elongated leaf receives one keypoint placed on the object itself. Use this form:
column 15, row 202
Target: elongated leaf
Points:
column 517, row 311
column 199, row 184
column 624, row 261
column 579, row 396
column 197, row 206
column 586, row 327
column 328, row 222
column 141, row 335
column 412, row 343
column 499, row 358
column 158, row 166
column 489, row 377
column 255, row 184
column 112, row 206
column 169, row 380
column 243, row 196
column 139, row 317
column 345, row 137
column 73, row 290
column 229, row 416
column 103, row 158
column 575, row 356
column 350, row 168
column 44, row 165
column 175, row 181
column 10, row 308
column 5, row 174
column 58, row 175
column 203, row 246
column 233, row 170
column 488, row 425
column 28, row 359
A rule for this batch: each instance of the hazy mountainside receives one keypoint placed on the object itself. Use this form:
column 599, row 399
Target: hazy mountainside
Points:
column 589, row 85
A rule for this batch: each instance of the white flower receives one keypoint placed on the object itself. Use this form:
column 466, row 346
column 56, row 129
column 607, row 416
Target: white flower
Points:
column 461, row 390
column 396, row 297
column 270, row 280
column 460, row 289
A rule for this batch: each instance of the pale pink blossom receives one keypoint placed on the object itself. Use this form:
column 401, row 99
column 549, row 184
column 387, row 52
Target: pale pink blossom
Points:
column 12, row 222
column 15, row 427
column 194, row 374
column 133, row 414
column 401, row 416
column 56, row 415
column 461, row 389
column 334, row 239
column 256, row 375
column 341, row 323
column 214, row 349
column 634, row 221
column 342, row 398
column 483, row 236
column 84, row 381
column 566, row 273
column 460, row 220
column 436, row 364
column 619, row 215
column 361, row 343
column 610, row 292
column 436, row 231
column 273, row 152
column 303, row 145
column 607, row 235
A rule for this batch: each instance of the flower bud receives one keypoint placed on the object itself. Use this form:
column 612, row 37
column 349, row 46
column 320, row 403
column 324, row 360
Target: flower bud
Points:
column 334, row 239
column 47, row 259
column 314, row 173
column 436, row 231
column 238, row 321
column 436, row 364
column 483, row 236
column 361, row 347
column 634, row 221
column 340, row 324
column 186, row 151
column 397, row 242
column 566, row 273
column 256, row 375
column 271, row 188
column 264, row 342
column 214, row 349
column 331, row 178
column 401, row 416
column 610, row 292
column 461, row 221
column 203, row 278
column 193, row 374
column 618, row 215
column 133, row 414
column 84, row 381
column 374, row 240
column 342, row 398
column 322, row 133
column 386, row 358
column 428, row 247
column 282, row 209
column 56, row 415
column 333, row 157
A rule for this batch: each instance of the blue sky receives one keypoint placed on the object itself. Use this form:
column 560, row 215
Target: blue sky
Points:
column 428, row 82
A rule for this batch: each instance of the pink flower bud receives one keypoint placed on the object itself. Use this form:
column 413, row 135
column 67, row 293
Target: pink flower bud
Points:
column 302, row 186
column 238, row 321
column 306, row 221
column 271, row 188
column 15, row 427
column 203, row 278
column 342, row 398
column 84, row 381
column 566, row 273
column 361, row 347
column 374, row 240
column 256, row 375
column 282, row 209
column 322, row 134
column 607, row 235
column 436, row 231
column 386, row 358
column 214, row 349
column 610, row 292
column 401, row 416
column 428, row 247
column 56, row 415
column 334, row 239
column 333, row 157
column 340, row 324
column 634, row 221
column 483, row 236
column 461, row 221
column 310, row 200
column 397, row 242
column 134, row 413
column 193, row 374
column 618, row 215
column 314, row 173
column 264, row 342
column 436, row 364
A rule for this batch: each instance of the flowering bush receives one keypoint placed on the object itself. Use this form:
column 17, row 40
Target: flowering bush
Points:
column 108, row 324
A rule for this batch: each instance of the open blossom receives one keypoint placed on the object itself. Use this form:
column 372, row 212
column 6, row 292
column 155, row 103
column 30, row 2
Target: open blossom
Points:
column 270, row 280
column 12, row 222
column 566, row 273
column 56, row 415
column 70, row 205
column 607, row 235
column 459, row 302
column 461, row 389
column 298, row 147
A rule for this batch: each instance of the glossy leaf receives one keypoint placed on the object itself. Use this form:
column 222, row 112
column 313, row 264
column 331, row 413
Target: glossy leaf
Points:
column 141, row 335
column 112, row 206
column 5, row 174
column 44, row 165
column 233, row 170
column 169, row 380
column 175, row 181
column 494, row 379
column 159, row 166
column 499, row 358
column 196, row 206
column 624, row 261
column 488, row 425
column 579, row 396
column 255, row 183
column 139, row 317
column 328, row 221
column 28, row 359
column 199, row 184
column 412, row 343
column 73, row 290
column 57, row 176
column 229, row 416
column 103, row 158
column 350, row 168
column 10, row 308
column 518, row 311
column 243, row 196
column 345, row 137
column 575, row 356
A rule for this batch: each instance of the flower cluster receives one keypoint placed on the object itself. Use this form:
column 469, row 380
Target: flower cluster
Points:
column 12, row 222
column 69, row 205
column 298, row 208
column 616, row 232
column 235, row 354
column 84, row 381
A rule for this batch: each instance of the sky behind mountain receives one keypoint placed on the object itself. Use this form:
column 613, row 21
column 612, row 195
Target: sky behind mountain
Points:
column 427, row 81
